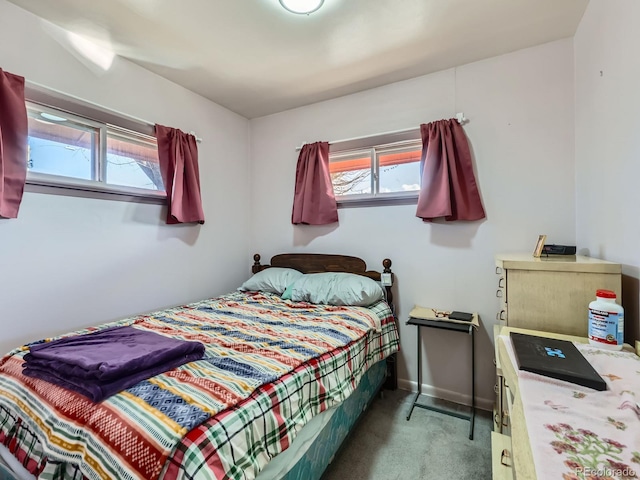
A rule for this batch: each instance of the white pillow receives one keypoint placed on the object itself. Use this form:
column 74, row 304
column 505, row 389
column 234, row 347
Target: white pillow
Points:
column 336, row 288
column 271, row 280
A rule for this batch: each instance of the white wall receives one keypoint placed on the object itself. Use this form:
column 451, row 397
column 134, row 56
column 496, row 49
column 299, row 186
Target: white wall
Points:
column 607, row 69
column 521, row 113
column 69, row 262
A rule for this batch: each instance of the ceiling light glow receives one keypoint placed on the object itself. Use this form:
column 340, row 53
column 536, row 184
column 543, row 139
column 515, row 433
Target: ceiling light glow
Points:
column 303, row 7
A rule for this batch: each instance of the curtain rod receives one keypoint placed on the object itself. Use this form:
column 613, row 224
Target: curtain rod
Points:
column 459, row 117
column 48, row 90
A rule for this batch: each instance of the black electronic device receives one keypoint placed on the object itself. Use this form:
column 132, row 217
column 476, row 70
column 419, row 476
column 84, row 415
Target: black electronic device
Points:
column 558, row 249
column 556, row 359
column 455, row 315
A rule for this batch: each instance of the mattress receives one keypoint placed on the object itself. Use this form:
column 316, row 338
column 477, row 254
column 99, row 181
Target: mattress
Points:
column 316, row 358
column 311, row 456
column 310, row 452
column 10, row 467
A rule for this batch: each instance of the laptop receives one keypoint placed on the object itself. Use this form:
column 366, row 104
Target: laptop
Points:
column 553, row 358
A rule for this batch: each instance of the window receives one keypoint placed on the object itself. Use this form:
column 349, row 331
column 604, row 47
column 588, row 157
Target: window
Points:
column 132, row 160
column 71, row 151
column 61, row 145
column 377, row 174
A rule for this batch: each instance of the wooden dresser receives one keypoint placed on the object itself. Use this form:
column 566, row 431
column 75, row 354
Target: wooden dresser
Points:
column 510, row 447
column 552, row 294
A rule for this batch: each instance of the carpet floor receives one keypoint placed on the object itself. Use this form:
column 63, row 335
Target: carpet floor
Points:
column 385, row 446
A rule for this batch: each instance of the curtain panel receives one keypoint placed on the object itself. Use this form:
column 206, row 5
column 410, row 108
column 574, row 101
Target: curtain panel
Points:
column 178, row 156
column 448, row 184
column 14, row 133
column 314, row 202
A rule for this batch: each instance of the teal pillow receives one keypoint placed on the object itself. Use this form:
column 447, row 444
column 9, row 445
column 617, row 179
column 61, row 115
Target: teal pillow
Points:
column 286, row 295
column 336, row 288
column 271, row 280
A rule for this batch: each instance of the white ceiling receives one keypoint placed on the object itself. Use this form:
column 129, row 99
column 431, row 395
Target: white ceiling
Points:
column 255, row 58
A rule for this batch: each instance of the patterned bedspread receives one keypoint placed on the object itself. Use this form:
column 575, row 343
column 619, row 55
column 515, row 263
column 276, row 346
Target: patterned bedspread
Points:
column 270, row 365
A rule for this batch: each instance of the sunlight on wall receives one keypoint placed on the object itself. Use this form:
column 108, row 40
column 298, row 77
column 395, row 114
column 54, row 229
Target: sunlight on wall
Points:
column 100, row 56
column 94, row 53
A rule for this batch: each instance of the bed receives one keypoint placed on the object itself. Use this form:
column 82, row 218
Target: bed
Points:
column 315, row 368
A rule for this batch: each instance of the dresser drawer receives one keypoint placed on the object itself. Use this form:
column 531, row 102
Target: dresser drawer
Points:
column 496, row 357
column 498, row 404
column 497, row 418
column 501, row 294
column 551, row 294
column 507, row 408
column 501, row 457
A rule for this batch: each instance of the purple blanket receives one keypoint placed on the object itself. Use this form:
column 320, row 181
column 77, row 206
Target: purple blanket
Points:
column 106, row 362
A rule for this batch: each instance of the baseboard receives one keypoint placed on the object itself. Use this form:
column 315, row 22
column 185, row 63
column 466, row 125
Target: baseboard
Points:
column 455, row 397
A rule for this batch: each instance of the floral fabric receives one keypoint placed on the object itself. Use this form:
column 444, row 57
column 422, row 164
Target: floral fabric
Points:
column 577, row 433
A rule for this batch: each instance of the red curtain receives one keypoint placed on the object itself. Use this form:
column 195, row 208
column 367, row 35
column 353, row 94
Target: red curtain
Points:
column 314, row 202
column 448, row 187
column 178, row 156
column 14, row 133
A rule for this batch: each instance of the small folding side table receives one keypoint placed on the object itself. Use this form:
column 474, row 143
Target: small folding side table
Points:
column 433, row 318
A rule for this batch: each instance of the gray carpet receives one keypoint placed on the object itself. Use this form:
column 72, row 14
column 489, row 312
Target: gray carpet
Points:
column 385, row 446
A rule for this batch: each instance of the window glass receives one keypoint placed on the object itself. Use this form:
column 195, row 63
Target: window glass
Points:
column 399, row 170
column 351, row 173
column 66, row 150
column 60, row 146
column 382, row 172
column 132, row 160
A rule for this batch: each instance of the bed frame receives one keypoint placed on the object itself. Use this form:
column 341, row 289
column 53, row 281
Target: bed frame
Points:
column 320, row 262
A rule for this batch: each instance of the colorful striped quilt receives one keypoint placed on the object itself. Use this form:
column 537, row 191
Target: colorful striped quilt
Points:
column 269, row 366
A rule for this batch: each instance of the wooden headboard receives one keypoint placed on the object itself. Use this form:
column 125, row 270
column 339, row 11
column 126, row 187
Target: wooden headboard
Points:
column 320, row 262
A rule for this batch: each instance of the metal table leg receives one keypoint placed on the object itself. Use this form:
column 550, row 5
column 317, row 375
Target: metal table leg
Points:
column 415, row 400
column 473, row 382
column 457, row 327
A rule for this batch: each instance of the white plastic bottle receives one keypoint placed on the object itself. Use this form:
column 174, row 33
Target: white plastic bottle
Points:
column 606, row 321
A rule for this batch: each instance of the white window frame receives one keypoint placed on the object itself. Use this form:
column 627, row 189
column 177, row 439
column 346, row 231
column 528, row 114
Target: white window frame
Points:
column 95, row 116
column 376, row 145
